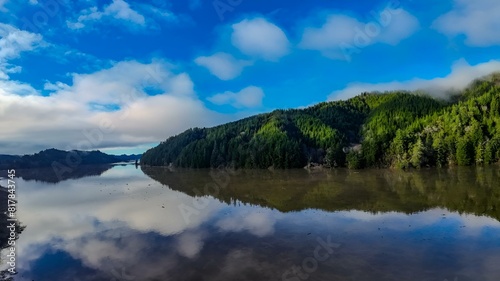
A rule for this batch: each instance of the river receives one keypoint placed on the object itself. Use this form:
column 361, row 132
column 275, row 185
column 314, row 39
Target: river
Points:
column 127, row 223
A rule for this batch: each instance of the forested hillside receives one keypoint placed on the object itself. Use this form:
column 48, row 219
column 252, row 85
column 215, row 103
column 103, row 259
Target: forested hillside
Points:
column 46, row 158
column 399, row 129
column 466, row 133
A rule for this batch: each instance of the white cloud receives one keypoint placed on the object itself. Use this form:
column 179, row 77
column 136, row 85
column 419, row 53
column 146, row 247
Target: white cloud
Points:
column 126, row 80
column 341, row 35
column 222, row 65
column 71, row 113
column 478, row 20
column 12, row 43
column 243, row 44
column 121, row 10
column 118, row 9
column 248, row 97
column 259, row 38
column 55, row 86
column 160, row 13
column 461, row 75
column 8, row 87
column 95, row 245
column 189, row 244
column 257, row 223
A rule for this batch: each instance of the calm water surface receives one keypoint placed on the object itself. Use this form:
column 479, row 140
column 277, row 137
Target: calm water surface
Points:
column 123, row 223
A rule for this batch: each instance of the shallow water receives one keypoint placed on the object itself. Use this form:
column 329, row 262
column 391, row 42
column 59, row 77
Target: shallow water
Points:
column 123, row 223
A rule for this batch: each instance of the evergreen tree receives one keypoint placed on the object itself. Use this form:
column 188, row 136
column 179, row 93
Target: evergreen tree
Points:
column 465, row 152
column 417, row 157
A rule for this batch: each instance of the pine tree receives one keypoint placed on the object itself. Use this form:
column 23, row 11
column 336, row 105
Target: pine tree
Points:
column 417, row 157
column 465, row 152
column 440, row 151
column 489, row 153
column 480, row 157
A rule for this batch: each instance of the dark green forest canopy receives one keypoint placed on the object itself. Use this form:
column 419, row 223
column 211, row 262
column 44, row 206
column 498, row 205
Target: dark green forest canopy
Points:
column 399, row 129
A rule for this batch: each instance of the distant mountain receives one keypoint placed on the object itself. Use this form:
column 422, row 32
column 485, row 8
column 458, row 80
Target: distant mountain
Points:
column 47, row 157
column 128, row 158
column 398, row 129
column 4, row 157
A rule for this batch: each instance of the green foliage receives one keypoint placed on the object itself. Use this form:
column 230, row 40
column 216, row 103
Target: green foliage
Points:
column 465, row 152
column 463, row 133
column 492, row 151
column 397, row 111
column 398, row 129
column 418, row 154
column 355, row 160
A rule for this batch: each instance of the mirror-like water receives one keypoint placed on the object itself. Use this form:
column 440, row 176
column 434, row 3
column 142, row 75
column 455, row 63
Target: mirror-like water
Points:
column 123, row 223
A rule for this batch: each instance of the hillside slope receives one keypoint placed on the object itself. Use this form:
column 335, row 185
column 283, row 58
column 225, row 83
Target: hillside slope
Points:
column 400, row 129
column 46, row 158
column 465, row 133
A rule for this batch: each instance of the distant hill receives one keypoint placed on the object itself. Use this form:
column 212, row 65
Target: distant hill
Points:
column 47, row 157
column 128, row 158
column 399, row 129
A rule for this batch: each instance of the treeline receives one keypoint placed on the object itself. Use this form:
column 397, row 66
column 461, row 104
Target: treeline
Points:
column 466, row 133
column 400, row 129
column 47, row 157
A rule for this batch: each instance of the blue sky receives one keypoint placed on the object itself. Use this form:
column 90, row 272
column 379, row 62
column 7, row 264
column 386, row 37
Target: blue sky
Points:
column 122, row 75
